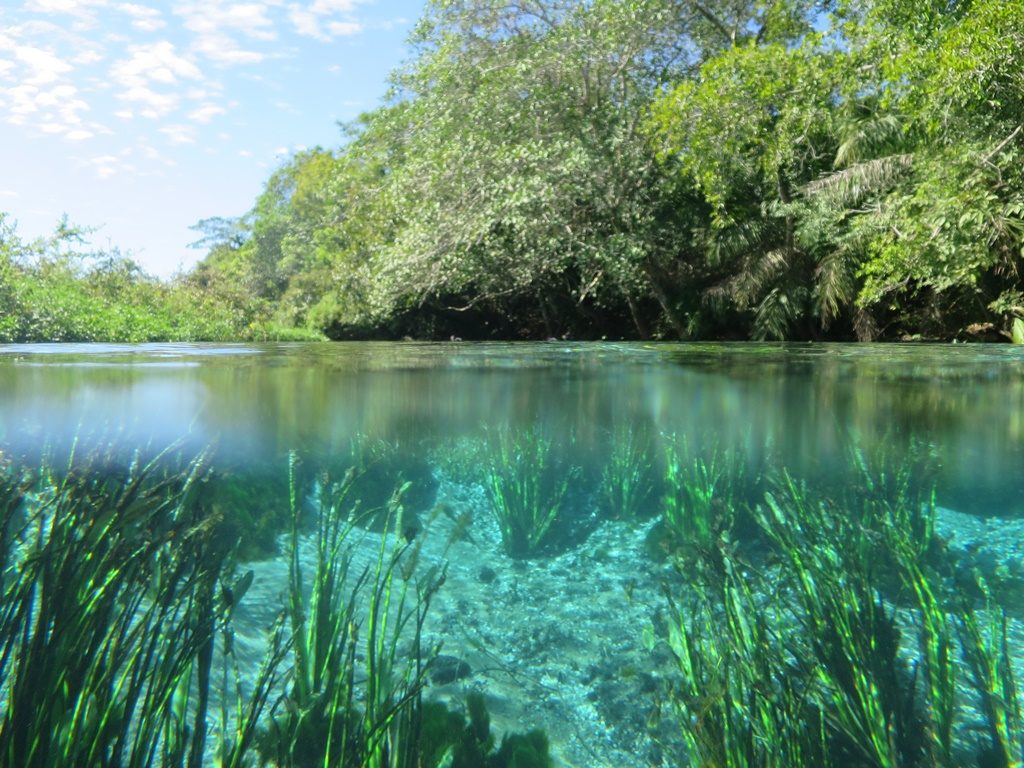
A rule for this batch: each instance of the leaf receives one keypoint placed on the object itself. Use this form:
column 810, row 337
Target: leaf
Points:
column 1017, row 331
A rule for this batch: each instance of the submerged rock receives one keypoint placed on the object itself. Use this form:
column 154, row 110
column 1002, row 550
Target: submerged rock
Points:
column 447, row 669
column 991, row 547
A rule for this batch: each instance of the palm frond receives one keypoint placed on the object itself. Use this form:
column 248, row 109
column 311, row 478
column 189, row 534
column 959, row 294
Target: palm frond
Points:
column 852, row 184
column 775, row 313
column 835, row 285
column 869, row 136
column 752, row 277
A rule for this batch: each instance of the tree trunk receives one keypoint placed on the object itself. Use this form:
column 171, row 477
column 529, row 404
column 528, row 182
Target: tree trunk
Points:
column 666, row 304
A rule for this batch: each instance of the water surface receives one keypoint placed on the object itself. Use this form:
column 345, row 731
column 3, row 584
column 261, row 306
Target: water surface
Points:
column 796, row 404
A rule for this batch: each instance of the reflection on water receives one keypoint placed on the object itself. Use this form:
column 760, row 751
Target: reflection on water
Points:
column 800, row 403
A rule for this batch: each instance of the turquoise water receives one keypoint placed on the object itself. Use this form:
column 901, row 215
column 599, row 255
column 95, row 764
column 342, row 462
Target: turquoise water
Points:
column 796, row 403
column 567, row 629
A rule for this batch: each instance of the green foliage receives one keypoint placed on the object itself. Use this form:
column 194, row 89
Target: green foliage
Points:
column 650, row 168
column 118, row 601
column 447, row 736
column 703, row 494
column 351, row 623
column 52, row 291
column 113, row 594
column 527, row 485
column 627, row 480
column 805, row 662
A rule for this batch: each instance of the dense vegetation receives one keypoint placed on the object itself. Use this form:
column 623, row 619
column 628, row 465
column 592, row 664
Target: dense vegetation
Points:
column 781, row 169
column 807, row 625
column 665, row 168
column 56, row 289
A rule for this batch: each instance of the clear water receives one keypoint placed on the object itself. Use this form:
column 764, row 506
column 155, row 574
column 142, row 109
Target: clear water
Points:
column 559, row 637
column 798, row 402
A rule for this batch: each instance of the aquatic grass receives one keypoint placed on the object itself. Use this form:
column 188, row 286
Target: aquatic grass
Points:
column 863, row 683
column 627, row 478
column 895, row 494
column 380, row 467
column 119, row 591
column 804, row 661
column 527, row 486
column 701, row 501
column 447, row 739
column 986, row 652
column 740, row 699
column 110, row 604
column 354, row 697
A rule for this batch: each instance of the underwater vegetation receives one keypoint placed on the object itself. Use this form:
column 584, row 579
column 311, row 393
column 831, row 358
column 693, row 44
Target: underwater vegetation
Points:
column 448, row 739
column 628, row 485
column 852, row 644
column 117, row 647
column 819, row 624
column 349, row 624
column 381, row 466
column 702, row 495
column 113, row 595
column 527, row 484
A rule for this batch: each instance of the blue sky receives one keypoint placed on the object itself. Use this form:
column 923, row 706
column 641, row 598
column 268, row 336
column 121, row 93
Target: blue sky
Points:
column 140, row 118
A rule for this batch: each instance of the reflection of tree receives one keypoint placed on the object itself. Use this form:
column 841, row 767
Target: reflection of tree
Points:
column 799, row 402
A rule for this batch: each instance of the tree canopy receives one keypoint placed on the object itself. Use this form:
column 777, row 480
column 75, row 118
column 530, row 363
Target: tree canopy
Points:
column 778, row 169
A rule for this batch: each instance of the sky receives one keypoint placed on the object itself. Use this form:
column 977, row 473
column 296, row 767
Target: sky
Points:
column 138, row 119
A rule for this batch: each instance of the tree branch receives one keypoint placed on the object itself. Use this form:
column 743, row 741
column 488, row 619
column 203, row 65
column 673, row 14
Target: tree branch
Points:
column 717, row 23
column 1002, row 144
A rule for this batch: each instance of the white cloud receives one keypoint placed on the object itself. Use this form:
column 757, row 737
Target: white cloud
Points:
column 212, row 16
column 320, row 19
column 241, row 153
column 106, row 166
column 157, row 64
column 8, row 193
column 52, row 110
column 43, row 66
column 223, row 50
column 206, row 113
column 344, row 28
column 180, row 134
column 284, row 106
column 155, row 103
column 216, row 24
column 333, row 6
column 143, row 17
column 73, row 7
column 87, row 57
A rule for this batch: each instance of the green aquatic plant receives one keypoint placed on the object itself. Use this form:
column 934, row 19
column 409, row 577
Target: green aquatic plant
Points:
column 893, row 494
column 740, row 700
column 701, row 500
column 627, row 479
column 805, row 660
column 863, row 684
column 380, row 467
column 354, row 698
column 112, row 599
column 986, row 651
column 527, row 486
column 251, row 503
column 448, row 739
